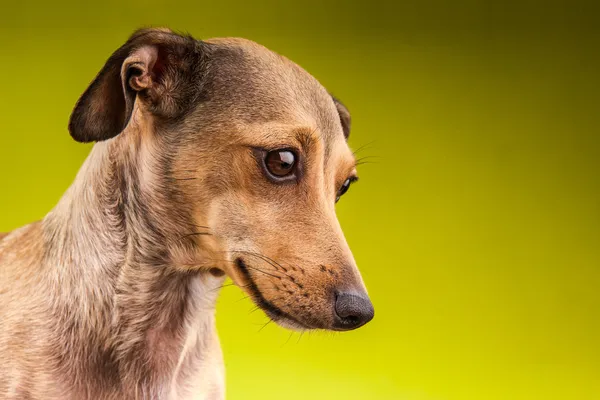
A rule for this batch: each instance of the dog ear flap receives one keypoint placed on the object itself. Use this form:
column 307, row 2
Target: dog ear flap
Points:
column 345, row 119
column 155, row 65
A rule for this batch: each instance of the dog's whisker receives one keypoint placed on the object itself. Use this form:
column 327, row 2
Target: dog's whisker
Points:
column 288, row 339
column 363, row 147
column 269, row 260
column 265, row 325
column 263, row 258
column 264, row 272
column 246, row 297
column 224, row 286
column 254, row 309
column 365, row 162
column 234, row 263
column 367, row 158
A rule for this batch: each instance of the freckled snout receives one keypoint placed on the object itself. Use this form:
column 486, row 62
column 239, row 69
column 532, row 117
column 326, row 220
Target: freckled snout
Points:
column 352, row 310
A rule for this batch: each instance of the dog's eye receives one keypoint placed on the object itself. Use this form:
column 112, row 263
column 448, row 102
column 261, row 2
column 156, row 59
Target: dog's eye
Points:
column 280, row 162
column 345, row 187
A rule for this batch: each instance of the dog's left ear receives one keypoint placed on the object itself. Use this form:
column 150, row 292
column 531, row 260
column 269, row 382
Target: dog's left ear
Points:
column 344, row 116
column 160, row 68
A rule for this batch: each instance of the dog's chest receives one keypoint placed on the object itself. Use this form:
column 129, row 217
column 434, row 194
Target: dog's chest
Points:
column 201, row 376
column 199, row 372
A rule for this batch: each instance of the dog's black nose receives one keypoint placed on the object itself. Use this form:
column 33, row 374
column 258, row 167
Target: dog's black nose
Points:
column 352, row 311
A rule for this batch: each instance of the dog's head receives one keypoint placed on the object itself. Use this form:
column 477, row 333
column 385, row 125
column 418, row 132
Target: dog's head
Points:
column 253, row 152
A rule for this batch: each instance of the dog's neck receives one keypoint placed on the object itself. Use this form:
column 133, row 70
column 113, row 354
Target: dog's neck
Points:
column 112, row 245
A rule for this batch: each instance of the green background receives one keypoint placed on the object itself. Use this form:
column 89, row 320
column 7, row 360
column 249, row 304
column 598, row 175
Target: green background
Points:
column 476, row 226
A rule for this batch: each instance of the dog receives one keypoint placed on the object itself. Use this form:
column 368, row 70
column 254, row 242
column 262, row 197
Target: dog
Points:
column 212, row 159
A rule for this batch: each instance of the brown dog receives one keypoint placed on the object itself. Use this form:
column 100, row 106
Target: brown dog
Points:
column 213, row 159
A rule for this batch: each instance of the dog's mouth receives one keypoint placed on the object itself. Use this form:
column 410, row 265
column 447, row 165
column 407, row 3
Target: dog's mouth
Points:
column 273, row 312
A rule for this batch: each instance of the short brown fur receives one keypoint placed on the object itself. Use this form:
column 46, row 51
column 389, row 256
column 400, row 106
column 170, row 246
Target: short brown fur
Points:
column 112, row 294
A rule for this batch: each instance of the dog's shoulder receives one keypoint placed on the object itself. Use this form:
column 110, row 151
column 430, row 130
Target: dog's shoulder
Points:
column 3, row 236
column 21, row 242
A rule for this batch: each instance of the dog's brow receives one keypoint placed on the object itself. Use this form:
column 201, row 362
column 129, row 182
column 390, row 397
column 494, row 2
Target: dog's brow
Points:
column 275, row 136
column 306, row 136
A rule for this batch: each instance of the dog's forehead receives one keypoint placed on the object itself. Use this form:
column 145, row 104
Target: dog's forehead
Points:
column 257, row 84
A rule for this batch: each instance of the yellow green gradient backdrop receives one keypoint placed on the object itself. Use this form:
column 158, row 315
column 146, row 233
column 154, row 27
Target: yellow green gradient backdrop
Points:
column 476, row 226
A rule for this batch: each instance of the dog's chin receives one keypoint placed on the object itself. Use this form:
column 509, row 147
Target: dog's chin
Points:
column 281, row 318
column 288, row 323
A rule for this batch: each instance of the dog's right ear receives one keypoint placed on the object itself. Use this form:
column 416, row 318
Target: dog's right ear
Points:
column 344, row 114
column 156, row 64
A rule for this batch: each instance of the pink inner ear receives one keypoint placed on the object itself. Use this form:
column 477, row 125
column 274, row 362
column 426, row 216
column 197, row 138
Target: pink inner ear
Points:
column 143, row 60
column 160, row 65
column 139, row 82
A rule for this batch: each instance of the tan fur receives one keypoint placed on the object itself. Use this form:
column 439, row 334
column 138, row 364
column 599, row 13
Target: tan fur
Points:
column 112, row 294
